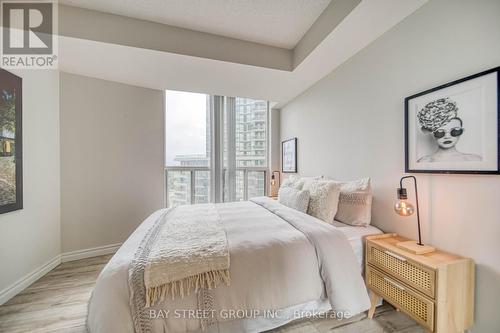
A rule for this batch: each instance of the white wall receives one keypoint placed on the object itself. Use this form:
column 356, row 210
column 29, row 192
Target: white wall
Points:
column 112, row 147
column 350, row 125
column 30, row 238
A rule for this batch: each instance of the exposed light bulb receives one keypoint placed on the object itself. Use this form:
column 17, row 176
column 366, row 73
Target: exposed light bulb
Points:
column 404, row 208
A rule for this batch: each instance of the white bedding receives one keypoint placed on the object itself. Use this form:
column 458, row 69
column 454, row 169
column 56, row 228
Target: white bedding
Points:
column 275, row 264
column 355, row 236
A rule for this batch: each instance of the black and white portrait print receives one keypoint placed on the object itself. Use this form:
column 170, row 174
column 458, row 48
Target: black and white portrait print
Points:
column 439, row 120
column 453, row 128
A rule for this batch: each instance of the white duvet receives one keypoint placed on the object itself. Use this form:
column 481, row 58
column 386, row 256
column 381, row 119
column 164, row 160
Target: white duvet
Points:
column 281, row 260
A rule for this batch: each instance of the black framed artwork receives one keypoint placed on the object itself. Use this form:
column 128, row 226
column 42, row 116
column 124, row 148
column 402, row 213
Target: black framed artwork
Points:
column 11, row 169
column 454, row 128
column 289, row 156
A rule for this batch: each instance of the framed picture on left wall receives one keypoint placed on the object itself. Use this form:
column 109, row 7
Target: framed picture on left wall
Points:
column 11, row 156
column 289, row 156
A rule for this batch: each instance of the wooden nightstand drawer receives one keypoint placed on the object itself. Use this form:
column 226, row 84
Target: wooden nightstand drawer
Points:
column 414, row 274
column 415, row 305
column 436, row 288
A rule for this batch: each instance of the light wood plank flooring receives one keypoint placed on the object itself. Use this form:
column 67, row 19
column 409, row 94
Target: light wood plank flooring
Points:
column 57, row 303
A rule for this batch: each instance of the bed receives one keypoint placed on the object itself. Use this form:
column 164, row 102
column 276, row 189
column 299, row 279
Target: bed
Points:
column 284, row 265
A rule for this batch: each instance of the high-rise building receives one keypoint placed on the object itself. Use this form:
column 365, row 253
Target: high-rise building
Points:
column 251, row 145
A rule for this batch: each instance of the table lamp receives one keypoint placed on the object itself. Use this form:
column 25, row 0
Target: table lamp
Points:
column 404, row 208
column 275, row 180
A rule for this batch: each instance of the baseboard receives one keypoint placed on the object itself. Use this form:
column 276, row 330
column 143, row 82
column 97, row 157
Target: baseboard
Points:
column 27, row 280
column 89, row 253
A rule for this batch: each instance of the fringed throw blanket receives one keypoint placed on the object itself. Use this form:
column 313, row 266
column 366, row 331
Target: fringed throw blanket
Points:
column 185, row 251
column 190, row 252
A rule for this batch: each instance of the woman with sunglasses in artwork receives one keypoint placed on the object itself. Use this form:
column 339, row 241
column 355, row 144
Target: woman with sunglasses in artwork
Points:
column 440, row 119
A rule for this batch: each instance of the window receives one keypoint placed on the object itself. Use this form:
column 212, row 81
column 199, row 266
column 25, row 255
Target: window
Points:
column 187, row 148
column 242, row 123
column 250, row 148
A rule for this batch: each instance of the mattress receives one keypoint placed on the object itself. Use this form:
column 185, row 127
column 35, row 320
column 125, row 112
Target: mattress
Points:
column 355, row 236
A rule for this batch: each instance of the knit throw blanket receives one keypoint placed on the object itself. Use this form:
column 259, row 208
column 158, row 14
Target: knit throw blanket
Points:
column 189, row 253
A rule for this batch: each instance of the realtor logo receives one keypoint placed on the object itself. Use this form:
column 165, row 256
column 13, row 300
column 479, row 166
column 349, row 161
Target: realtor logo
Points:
column 28, row 36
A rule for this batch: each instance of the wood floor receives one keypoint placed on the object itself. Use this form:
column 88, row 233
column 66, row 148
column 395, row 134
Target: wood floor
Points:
column 57, row 303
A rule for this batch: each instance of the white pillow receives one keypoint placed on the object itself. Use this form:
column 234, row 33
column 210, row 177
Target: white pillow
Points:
column 324, row 199
column 361, row 184
column 355, row 202
column 300, row 183
column 293, row 182
column 294, row 198
column 307, row 181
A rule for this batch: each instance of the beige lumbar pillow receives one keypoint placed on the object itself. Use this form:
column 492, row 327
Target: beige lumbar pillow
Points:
column 294, row 198
column 355, row 202
column 324, row 199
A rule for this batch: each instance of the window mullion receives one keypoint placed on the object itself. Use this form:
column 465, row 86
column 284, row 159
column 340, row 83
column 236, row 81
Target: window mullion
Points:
column 231, row 147
column 245, row 184
column 216, row 165
column 192, row 187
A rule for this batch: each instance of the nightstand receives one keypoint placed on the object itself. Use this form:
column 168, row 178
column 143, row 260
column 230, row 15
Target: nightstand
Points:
column 274, row 198
column 435, row 289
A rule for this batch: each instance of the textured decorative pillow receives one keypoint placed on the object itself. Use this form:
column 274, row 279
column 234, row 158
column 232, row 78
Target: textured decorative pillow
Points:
column 293, row 182
column 324, row 199
column 361, row 184
column 294, row 198
column 355, row 202
column 308, row 181
column 355, row 208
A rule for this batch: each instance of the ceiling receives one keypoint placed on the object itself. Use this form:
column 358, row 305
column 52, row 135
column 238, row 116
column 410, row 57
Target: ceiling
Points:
column 158, row 69
column 279, row 23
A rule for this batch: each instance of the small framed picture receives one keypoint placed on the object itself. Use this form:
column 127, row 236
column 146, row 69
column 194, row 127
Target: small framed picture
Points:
column 289, row 156
column 454, row 128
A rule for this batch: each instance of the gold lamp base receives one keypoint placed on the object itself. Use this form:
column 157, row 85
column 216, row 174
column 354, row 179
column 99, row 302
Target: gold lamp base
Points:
column 413, row 247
